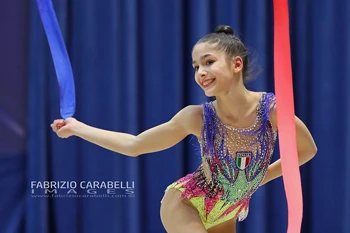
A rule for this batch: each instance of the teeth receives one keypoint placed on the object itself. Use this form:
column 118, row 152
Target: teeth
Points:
column 207, row 82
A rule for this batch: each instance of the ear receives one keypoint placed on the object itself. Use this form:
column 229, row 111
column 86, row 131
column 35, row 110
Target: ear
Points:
column 237, row 64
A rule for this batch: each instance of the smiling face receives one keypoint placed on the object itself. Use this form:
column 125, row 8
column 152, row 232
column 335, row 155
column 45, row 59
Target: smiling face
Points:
column 215, row 73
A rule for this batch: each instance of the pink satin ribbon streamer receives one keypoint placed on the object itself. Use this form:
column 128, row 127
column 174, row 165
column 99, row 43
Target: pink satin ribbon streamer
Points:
column 286, row 116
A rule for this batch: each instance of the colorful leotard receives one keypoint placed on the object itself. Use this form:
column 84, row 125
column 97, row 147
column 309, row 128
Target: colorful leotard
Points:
column 234, row 163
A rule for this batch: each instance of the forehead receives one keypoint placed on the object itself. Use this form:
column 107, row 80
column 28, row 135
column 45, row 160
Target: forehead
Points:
column 205, row 48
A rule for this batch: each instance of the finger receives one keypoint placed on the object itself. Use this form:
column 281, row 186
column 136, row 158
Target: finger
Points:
column 60, row 125
column 53, row 127
column 58, row 121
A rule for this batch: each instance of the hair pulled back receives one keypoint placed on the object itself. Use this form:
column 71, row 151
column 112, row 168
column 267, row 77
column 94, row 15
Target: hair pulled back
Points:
column 228, row 42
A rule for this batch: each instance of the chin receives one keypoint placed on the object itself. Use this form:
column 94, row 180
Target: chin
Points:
column 210, row 93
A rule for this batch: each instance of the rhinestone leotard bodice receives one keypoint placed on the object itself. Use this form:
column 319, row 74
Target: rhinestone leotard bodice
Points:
column 234, row 161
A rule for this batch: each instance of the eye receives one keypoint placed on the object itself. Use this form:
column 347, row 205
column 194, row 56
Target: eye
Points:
column 209, row 62
column 195, row 68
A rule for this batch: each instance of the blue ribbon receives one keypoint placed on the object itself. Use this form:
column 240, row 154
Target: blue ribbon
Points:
column 60, row 58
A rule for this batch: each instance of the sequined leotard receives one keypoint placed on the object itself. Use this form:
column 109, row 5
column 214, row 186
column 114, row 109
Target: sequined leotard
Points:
column 234, row 163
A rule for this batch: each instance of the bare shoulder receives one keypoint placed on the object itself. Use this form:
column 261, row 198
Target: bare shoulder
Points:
column 190, row 118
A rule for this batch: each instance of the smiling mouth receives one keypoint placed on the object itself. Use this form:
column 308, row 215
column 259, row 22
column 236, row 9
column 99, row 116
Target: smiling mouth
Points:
column 207, row 82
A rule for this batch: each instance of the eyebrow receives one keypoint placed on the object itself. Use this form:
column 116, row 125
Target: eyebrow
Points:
column 202, row 57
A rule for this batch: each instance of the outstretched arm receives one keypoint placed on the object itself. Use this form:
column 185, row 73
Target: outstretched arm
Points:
column 305, row 145
column 185, row 122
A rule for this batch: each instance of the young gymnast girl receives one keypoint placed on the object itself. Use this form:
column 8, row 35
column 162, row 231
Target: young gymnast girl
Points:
column 236, row 132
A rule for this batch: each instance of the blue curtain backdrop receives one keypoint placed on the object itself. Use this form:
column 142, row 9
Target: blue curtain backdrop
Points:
column 132, row 65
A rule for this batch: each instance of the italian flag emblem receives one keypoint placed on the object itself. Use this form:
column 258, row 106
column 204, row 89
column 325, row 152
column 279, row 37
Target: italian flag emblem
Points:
column 243, row 159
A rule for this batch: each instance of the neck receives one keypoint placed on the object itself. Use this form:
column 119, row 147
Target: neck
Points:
column 236, row 103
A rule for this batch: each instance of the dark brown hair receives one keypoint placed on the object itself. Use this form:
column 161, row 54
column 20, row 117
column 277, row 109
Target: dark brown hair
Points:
column 228, row 42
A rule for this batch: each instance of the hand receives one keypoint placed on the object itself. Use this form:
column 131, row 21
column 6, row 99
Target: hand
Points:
column 65, row 128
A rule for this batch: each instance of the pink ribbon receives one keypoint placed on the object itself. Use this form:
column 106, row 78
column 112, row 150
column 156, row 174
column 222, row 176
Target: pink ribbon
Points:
column 286, row 116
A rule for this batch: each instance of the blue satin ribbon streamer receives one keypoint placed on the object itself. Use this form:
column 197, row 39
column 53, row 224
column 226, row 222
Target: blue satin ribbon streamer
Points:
column 60, row 58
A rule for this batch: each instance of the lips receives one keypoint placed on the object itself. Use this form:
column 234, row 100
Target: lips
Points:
column 206, row 83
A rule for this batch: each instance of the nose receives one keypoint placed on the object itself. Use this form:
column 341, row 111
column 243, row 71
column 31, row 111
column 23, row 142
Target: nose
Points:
column 202, row 72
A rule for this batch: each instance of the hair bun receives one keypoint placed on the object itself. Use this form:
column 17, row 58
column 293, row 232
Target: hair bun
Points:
column 224, row 29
